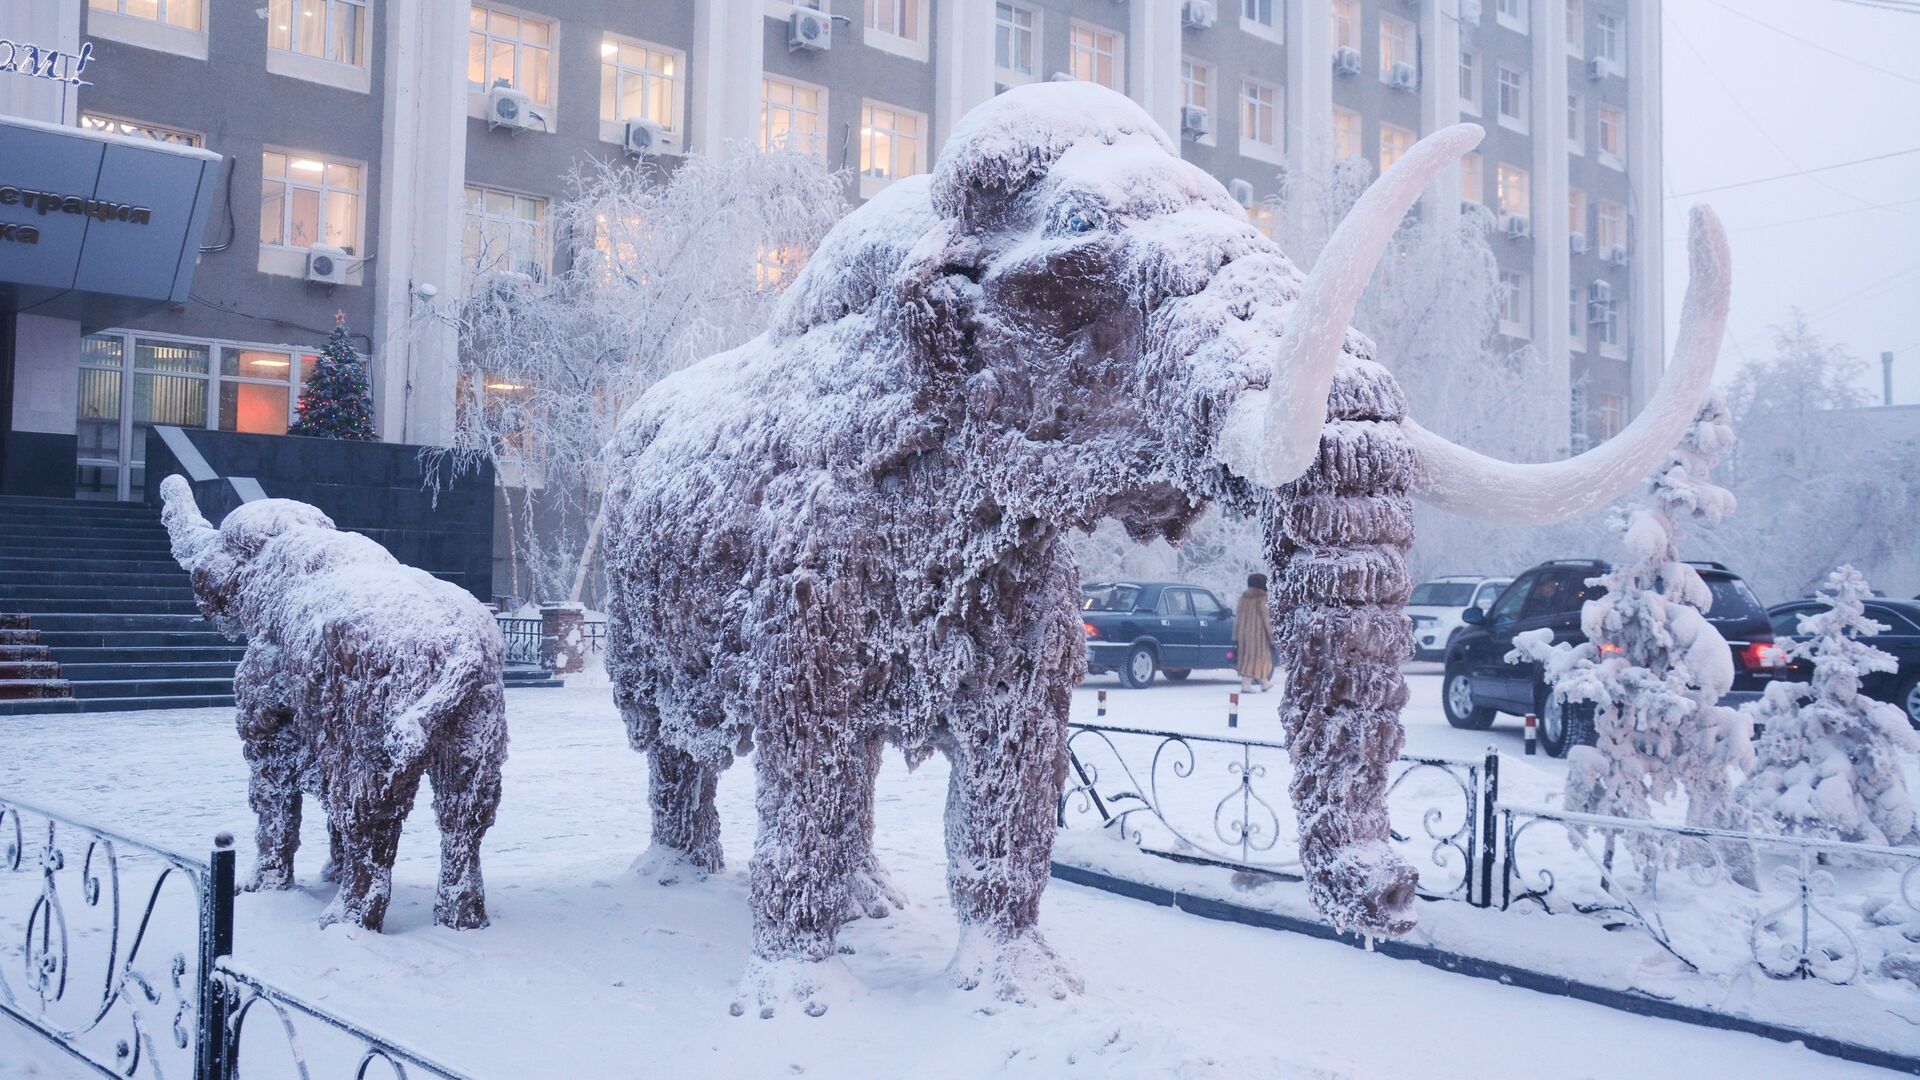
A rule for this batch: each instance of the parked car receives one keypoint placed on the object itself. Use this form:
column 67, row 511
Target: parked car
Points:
column 1436, row 607
column 1139, row 627
column 1480, row 682
column 1902, row 639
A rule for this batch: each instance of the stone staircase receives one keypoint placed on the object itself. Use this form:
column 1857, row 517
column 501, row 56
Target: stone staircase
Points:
column 103, row 619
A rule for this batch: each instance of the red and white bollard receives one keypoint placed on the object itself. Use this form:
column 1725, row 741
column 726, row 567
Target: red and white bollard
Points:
column 1102, row 710
column 1233, row 709
column 1532, row 727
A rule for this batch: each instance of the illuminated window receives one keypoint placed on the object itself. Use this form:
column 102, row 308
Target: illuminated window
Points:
column 1577, row 212
column 1394, row 142
column 506, row 231
column 1196, row 92
column 1473, row 179
column 1609, row 416
column 1260, row 127
column 1513, row 303
column 1346, row 134
column 1513, row 191
column 1512, row 97
column 1346, row 25
column 1610, row 226
column 329, row 29
column 308, row 199
column 776, row 267
column 1396, row 45
column 1469, row 82
column 511, row 49
column 900, row 18
column 1093, row 55
column 891, row 142
column 135, row 129
column 1016, row 30
column 184, row 14
column 256, row 389
column 639, row 81
column 793, row 116
column 1613, row 136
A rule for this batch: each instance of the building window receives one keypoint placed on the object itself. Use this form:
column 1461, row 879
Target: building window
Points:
column 1574, row 27
column 1609, row 333
column 900, row 18
column 256, row 388
column 1609, row 416
column 1346, row 25
column 1396, row 45
column 1346, row 134
column 308, row 199
column 184, row 14
column 1512, row 14
column 1015, row 42
column 1613, row 136
column 1094, row 55
column 1260, row 127
column 333, row 30
column 1513, row 303
column 505, row 232
column 1610, row 227
column 1261, row 16
column 1606, row 39
column 1196, row 92
column 1577, row 212
column 793, row 116
column 512, row 49
column 1469, row 82
column 1512, row 98
column 114, row 125
column 1576, row 318
column 1512, row 189
column 891, row 144
column 1395, row 141
column 638, row 81
column 1473, row 179
column 1576, row 125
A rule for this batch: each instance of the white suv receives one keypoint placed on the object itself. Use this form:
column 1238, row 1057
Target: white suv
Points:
column 1436, row 606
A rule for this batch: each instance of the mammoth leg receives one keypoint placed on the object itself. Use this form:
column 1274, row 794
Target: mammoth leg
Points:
column 1337, row 539
column 368, row 806
column 276, row 759
column 336, row 852
column 686, row 826
column 465, row 772
column 870, row 891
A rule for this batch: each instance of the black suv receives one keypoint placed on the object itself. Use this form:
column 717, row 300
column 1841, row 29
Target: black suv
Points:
column 1480, row 682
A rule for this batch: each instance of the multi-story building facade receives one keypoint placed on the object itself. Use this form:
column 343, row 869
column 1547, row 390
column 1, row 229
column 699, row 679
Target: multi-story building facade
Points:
column 377, row 153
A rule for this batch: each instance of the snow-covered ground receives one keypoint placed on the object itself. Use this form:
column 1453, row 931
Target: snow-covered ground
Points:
column 589, row 971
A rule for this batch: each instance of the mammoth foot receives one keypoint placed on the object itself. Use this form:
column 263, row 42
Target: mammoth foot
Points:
column 351, row 913
column 1364, row 888
column 1023, row 968
column 465, row 910
column 268, row 877
column 808, row 986
column 670, row 865
column 871, row 893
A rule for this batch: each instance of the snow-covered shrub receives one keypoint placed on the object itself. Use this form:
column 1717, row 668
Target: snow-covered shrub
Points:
column 1828, row 762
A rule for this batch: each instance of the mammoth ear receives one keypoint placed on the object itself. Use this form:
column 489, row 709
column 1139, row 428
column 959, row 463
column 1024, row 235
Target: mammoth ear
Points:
column 938, row 292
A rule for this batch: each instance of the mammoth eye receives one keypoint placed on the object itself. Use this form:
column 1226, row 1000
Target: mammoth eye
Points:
column 1083, row 219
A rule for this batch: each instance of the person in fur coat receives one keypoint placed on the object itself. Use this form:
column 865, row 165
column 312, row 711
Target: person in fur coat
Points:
column 1252, row 642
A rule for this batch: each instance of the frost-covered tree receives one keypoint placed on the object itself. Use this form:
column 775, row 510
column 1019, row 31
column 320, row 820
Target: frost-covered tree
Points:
column 658, row 269
column 1652, row 665
column 1829, row 760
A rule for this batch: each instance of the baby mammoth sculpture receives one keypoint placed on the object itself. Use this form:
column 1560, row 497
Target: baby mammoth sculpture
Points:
column 851, row 530
column 360, row 674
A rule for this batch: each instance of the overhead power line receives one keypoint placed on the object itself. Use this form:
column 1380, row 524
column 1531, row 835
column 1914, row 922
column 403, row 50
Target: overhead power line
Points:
column 1816, row 46
column 1798, row 173
column 1901, row 6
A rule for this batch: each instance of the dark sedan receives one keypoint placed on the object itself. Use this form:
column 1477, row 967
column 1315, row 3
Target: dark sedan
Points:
column 1139, row 627
column 1902, row 640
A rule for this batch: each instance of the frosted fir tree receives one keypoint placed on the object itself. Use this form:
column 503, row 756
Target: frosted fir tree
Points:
column 336, row 401
column 1653, row 666
column 1828, row 763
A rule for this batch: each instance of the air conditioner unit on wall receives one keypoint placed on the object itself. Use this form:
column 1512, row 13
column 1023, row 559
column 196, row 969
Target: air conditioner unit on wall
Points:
column 1470, row 12
column 1242, row 192
column 512, row 109
column 646, row 137
column 1616, row 256
column 1346, row 61
column 1598, row 68
column 327, row 265
column 1194, row 121
column 1599, row 301
column 1577, row 243
column 1516, row 226
column 1402, row 77
column 809, row 29
column 1198, row 14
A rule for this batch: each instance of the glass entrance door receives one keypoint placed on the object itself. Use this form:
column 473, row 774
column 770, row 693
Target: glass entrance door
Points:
column 123, row 392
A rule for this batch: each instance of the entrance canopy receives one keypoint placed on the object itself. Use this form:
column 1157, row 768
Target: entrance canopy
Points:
column 95, row 227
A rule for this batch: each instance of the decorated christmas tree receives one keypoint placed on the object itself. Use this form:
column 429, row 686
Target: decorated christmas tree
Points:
column 337, row 401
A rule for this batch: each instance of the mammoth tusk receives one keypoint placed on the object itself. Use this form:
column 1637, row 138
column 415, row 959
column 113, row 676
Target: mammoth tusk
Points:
column 191, row 535
column 1457, row 478
column 1272, row 435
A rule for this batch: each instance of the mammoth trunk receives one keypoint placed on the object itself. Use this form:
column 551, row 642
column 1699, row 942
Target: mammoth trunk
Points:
column 1337, row 538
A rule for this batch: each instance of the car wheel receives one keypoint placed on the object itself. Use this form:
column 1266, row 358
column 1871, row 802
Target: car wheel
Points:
column 1456, row 698
column 1564, row 724
column 1908, row 698
column 1140, row 666
column 1177, row 674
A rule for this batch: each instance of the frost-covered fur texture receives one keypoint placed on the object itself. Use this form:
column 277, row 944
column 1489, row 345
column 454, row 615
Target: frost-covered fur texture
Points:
column 360, row 674
column 1338, row 538
column 851, row 530
column 1653, row 666
column 1828, row 762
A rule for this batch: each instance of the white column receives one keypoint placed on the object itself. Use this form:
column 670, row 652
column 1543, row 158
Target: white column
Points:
column 50, row 24
column 1647, row 322
column 46, row 389
column 729, row 55
column 423, row 157
column 1551, row 259
column 1440, row 99
column 1309, row 87
column 963, row 33
column 1153, row 60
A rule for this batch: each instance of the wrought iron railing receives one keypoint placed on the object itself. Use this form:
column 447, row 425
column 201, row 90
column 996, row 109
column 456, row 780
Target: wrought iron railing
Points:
column 526, row 640
column 1689, row 889
column 1222, row 801
column 341, row 1048
column 593, row 633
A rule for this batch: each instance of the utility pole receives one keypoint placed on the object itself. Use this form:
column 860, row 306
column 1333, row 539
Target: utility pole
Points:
column 1886, row 378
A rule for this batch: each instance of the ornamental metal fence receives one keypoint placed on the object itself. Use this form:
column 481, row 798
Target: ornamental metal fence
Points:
column 119, row 952
column 526, row 639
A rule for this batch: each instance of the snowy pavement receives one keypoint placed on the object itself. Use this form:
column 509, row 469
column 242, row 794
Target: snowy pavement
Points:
column 589, row 971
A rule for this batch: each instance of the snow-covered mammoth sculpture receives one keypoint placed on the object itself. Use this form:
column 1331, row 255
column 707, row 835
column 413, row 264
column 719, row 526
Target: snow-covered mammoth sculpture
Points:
column 360, row 674
column 850, row 531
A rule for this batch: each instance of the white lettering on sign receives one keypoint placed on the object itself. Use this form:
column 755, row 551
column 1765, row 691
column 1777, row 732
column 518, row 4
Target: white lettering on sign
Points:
column 36, row 62
column 47, row 202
